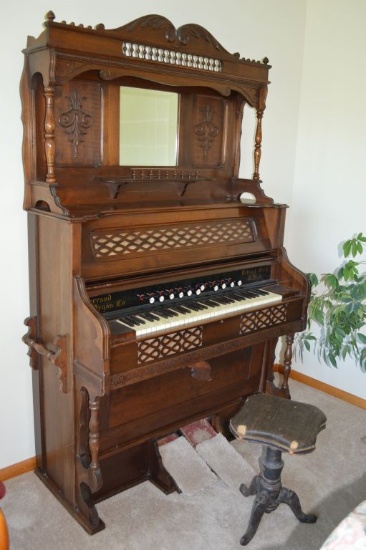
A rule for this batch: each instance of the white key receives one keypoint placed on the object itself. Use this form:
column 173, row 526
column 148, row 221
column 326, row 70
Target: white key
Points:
column 204, row 315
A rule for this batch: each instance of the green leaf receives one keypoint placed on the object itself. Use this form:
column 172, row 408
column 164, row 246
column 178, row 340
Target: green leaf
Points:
column 347, row 248
column 314, row 281
column 332, row 359
column 361, row 337
column 331, row 280
column 354, row 248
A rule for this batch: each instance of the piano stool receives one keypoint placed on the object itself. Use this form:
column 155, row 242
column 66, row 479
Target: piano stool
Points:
column 280, row 425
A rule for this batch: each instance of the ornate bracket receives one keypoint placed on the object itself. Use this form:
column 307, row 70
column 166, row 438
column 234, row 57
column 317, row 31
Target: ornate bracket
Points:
column 55, row 352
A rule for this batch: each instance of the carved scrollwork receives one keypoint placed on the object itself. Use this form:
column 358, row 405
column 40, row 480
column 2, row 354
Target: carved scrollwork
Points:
column 206, row 131
column 75, row 121
column 183, row 34
column 155, row 22
column 186, row 32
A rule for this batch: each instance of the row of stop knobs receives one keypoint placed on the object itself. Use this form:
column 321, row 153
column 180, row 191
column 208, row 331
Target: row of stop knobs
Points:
column 191, row 290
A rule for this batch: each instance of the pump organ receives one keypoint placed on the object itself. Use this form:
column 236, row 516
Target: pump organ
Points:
column 157, row 291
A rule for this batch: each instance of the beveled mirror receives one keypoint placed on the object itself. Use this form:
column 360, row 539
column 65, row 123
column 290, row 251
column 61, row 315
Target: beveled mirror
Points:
column 148, row 127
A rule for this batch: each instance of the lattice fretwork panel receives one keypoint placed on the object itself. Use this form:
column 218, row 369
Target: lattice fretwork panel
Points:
column 263, row 318
column 169, row 344
column 136, row 241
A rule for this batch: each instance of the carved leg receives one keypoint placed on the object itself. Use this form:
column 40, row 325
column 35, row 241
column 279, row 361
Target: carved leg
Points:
column 289, row 497
column 252, row 489
column 260, row 505
column 159, row 476
column 89, row 476
column 88, row 515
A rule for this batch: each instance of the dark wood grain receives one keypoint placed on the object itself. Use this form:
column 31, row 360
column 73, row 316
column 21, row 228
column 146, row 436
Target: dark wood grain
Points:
column 102, row 396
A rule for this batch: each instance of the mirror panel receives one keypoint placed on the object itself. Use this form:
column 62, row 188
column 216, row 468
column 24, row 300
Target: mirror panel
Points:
column 148, row 127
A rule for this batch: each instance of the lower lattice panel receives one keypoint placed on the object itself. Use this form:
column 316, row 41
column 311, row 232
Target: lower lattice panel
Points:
column 169, row 344
column 263, row 318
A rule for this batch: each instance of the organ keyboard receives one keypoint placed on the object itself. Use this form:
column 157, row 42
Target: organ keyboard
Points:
column 159, row 283
column 194, row 311
column 197, row 303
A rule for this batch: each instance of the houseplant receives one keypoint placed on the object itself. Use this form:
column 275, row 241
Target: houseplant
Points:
column 337, row 309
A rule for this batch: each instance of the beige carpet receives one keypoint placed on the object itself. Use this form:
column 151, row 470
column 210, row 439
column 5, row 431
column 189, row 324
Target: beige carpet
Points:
column 210, row 513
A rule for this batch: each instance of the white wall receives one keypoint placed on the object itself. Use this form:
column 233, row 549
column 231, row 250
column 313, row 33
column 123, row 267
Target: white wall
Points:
column 256, row 29
column 329, row 193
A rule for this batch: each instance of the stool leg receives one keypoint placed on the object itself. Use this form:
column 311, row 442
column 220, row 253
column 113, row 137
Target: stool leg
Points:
column 289, row 497
column 269, row 493
column 266, row 487
column 258, row 509
column 253, row 488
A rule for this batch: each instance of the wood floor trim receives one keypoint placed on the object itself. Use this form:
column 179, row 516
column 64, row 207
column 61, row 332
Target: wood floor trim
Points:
column 331, row 390
column 18, row 469
column 30, row 464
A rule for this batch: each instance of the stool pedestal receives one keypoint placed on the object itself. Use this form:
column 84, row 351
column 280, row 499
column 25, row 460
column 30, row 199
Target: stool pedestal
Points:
column 269, row 493
column 280, row 425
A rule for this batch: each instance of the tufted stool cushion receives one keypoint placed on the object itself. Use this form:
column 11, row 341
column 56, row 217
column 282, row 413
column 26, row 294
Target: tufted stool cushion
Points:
column 280, row 425
column 288, row 425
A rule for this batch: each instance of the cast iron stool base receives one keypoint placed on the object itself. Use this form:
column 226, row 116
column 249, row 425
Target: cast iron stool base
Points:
column 269, row 493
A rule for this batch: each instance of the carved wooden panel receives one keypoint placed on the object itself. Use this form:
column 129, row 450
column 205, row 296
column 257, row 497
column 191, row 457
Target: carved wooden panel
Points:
column 142, row 240
column 78, row 123
column 208, row 129
column 169, row 344
column 263, row 318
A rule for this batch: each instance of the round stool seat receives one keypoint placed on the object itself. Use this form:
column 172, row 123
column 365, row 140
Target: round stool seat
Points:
column 282, row 423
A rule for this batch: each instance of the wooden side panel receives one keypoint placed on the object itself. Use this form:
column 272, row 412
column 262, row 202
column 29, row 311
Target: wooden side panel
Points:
column 55, row 319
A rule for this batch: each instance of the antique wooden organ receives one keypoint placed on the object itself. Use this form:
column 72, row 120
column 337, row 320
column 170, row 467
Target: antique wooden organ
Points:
column 159, row 284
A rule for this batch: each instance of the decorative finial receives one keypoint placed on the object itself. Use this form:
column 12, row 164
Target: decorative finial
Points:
column 50, row 16
column 265, row 60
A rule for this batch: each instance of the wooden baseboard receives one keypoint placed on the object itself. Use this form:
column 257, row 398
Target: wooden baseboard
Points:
column 331, row 390
column 326, row 388
column 18, row 469
column 30, row 464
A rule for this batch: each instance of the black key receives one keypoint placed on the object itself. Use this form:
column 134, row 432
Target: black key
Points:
column 136, row 319
column 171, row 312
column 210, row 302
column 129, row 321
column 148, row 316
column 165, row 313
column 194, row 306
column 181, row 309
